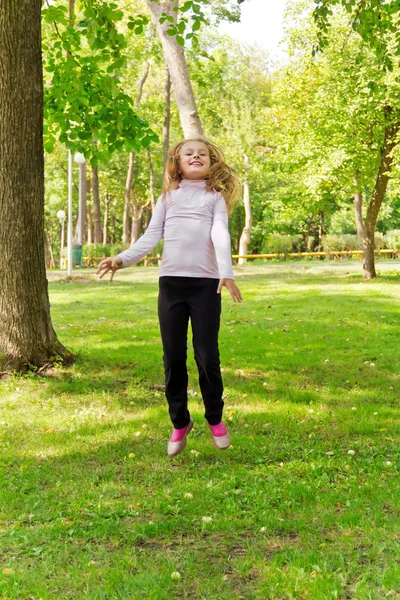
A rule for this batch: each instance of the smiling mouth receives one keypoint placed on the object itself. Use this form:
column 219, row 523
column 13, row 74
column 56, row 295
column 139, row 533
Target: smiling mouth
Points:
column 196, row 163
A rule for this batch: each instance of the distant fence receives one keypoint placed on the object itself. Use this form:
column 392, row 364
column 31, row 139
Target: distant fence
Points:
column 90, row 262
column 332, row 254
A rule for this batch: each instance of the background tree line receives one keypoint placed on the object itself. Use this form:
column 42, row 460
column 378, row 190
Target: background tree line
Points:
column 305, row 137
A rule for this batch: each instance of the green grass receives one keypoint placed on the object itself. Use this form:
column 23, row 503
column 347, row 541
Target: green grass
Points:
column 91, row 507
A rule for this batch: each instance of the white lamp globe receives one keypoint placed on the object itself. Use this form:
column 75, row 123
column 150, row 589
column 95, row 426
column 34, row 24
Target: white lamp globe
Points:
column 79, row 158
column 61, row 215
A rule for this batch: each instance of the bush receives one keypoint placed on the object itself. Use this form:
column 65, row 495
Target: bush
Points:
column 392, row 239
column 380, row 241
column 340, row 243
column 280, row 244
column 97, row 250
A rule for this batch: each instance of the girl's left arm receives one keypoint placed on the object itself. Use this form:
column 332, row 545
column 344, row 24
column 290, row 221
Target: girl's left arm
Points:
column 222, row 244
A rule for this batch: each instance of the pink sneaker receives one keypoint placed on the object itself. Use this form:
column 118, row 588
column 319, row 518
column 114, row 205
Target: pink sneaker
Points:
column 177, row 443
column 220, row 436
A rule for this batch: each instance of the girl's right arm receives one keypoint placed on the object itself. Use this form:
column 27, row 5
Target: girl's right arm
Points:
column 139, row 249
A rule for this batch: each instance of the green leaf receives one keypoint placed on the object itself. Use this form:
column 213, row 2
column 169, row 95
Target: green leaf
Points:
column 187, row 6
column 196, row 25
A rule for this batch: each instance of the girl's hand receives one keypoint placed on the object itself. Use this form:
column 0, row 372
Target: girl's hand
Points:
column 109, row 264
column 232, row 288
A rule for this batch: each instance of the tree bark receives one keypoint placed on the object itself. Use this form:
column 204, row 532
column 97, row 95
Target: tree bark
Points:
column 246, row 233
column 49, row 242
column 358, row 201
column 27, row 337
column 105, row 223
column 174, row 56
column 378, row 195
column 96, row 206
column 167, row 119
column 126, row 223
column 89, row 224
column 137, row 213
column 151, row 182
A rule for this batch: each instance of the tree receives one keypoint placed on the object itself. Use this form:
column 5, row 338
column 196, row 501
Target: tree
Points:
column 339, row 123
column 378, row 25
column 175, row 59
column 27, row 336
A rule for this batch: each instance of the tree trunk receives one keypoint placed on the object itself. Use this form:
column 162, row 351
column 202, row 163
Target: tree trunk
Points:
column 105, row 224
column 167, row 119
column 49, row 241
column 174, row 56
column 113, row 229
column 378, row 195
column 137, row 213
column 358, row 211
column 246, row 233
column 126, row 225
column 27, row 336
column 89, row 224
column 151, row 182
column 80, row 233
column 96, row 206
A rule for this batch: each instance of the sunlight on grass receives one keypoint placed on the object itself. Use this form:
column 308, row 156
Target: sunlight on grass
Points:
column 304, row 505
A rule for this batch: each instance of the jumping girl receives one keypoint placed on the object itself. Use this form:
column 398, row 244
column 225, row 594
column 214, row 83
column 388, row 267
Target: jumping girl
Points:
column 192, row 217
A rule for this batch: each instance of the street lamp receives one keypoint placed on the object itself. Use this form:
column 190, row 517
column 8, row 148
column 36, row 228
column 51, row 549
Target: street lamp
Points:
column 80, row 159
column 61, row 216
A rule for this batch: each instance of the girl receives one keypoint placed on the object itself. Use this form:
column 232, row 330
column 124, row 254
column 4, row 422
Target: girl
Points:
column 192, row 217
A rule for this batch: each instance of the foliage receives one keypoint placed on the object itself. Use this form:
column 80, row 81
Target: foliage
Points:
column 281, row 244
column 328, row 121
column 373, row 20
column 85, row 107
column 392, row 239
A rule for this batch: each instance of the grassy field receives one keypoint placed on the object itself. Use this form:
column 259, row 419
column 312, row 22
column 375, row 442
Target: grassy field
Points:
column 306, row 503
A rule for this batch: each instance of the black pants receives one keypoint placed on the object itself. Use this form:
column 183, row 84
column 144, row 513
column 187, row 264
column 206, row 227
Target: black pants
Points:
column 181, row 298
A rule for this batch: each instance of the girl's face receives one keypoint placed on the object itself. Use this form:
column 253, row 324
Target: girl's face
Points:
column 194, row 160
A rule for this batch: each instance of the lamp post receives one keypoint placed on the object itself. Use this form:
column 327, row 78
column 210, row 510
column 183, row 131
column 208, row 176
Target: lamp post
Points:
column 61, row 216
column 80, row 159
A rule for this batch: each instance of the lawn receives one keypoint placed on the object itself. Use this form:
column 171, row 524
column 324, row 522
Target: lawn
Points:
column 306, row 502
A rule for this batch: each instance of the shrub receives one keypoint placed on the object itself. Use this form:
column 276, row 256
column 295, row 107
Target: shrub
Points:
column 392, row 239
column 340, row 243
column 280, row 244
column 97, row 250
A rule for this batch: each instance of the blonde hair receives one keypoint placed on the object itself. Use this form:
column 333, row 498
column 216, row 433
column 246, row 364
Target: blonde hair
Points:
column 221, row 177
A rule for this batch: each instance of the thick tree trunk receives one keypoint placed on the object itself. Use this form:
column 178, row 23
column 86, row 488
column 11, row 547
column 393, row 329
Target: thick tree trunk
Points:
column 358, row 211
column 96, row 206
column 246, row 233
column 176, row 62
column 167, row 119
column 378, row 195
column 27, row 336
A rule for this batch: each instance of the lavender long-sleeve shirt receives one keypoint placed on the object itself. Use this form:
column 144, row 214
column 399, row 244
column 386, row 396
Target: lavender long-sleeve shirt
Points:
column 194, row 224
